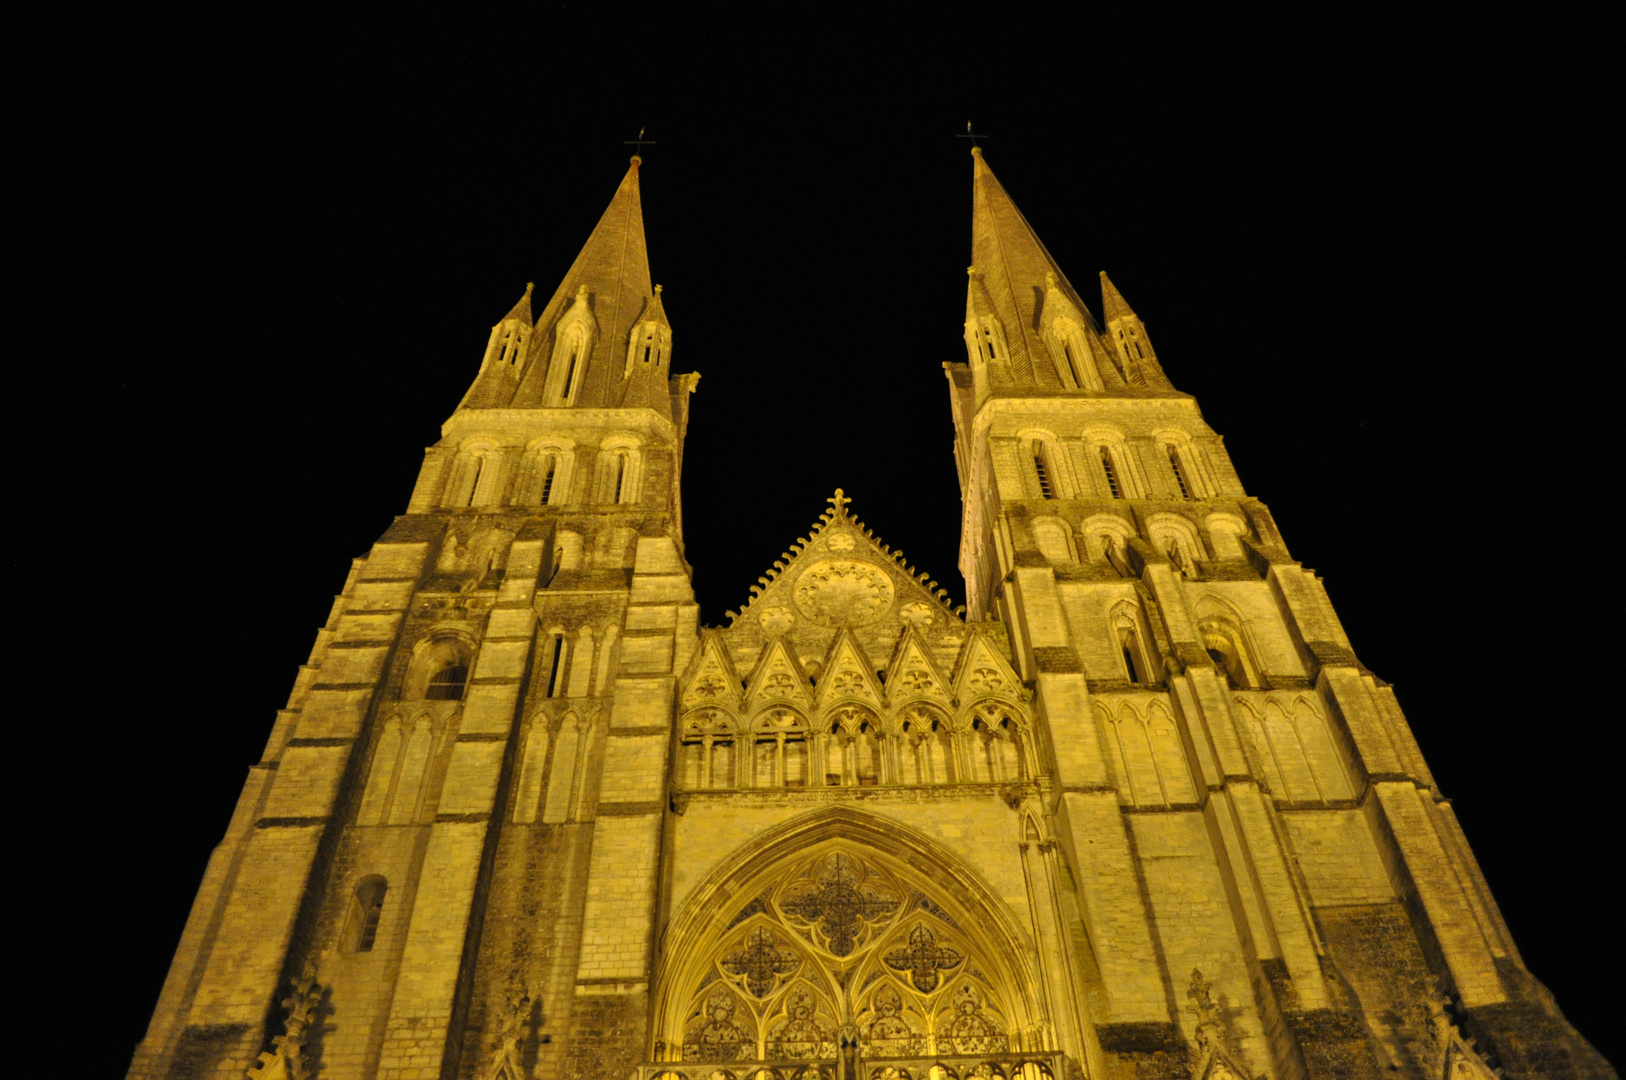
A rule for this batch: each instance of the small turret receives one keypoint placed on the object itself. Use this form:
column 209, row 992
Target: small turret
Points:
column 1127, row 335
column 507, row 351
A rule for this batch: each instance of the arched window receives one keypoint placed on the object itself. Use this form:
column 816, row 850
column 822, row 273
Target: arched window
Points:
column 1041, row 469
column 549, row 467
column 555, row 663
column 1179, row 471
column 1110, row 469
column 1223, row 643
column 1131, row 648
column 464, row 480
column 366, row 910
column 439, row 668
column 447, row 683
column 618, row 475
column 988, row 342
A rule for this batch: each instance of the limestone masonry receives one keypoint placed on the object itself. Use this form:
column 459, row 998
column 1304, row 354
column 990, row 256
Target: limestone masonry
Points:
column 1136, row 812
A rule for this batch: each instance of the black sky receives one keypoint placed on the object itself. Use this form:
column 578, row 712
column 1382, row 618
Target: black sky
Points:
column 1369, row 249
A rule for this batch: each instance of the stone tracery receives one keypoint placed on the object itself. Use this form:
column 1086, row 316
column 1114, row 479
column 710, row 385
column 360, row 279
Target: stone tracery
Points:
column 834, row 942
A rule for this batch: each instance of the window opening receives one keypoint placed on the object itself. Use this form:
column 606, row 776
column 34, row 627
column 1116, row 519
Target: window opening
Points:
column 556, row 667
column 570, row 370
column 550, row 465
column 1179, row 473
column 447, row 683
column 1112, row 474
column 474, row 481
column 620, row 476
column 988, row 335
column 1046, row 488
column 1129, row 645
column 1223, row 664
column 369, row 910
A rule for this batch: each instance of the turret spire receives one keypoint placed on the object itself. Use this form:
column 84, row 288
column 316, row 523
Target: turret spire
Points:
column 1127, row 336
column 1012, row 270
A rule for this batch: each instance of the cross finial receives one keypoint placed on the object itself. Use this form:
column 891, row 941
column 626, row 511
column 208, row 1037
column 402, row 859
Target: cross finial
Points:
column 839, row 500
column 972, row 135
column 640, row 142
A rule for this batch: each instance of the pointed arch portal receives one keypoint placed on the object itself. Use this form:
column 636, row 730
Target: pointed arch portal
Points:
column 835, row 922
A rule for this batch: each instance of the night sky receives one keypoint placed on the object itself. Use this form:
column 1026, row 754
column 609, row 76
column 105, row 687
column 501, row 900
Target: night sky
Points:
column 1368, row 249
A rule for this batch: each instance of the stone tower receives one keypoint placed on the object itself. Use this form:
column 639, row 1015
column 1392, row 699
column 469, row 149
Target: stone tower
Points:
column 1138, row 813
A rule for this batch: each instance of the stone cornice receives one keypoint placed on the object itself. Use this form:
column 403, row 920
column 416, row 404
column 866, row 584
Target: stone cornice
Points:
column 524, row 424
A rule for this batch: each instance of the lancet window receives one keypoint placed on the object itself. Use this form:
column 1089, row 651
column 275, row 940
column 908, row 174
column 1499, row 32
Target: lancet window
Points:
column 507, row 345
column 1109, row 469
column 366, row 910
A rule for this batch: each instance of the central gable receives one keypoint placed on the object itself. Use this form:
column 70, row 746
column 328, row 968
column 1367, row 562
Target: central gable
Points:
column 842, row 579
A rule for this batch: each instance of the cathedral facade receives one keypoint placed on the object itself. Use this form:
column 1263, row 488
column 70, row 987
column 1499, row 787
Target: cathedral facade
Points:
column 1135, row 812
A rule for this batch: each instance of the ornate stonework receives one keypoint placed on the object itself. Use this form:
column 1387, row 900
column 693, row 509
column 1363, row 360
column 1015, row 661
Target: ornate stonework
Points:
column 541, row 818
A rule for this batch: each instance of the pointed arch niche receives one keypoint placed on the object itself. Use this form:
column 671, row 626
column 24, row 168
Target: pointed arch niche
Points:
column 840, row 918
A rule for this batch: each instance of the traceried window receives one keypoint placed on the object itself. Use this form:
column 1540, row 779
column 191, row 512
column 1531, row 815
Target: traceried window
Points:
column 912, row 980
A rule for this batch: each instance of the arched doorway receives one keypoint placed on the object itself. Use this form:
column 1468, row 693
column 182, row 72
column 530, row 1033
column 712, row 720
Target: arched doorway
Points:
column 837, row 923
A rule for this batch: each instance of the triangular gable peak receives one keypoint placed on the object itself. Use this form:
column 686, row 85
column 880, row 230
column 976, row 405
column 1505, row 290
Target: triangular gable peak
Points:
column 914, row 675
column 982, row 669
column 848, row 674
column 1455, row 1056
column 842, row 577
column 1215, row 1054
column 778, row 676
column 711, row 679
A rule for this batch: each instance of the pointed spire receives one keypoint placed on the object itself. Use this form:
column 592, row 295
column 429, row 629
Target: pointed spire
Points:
column 521, row 311
column 1126, row 335
column 1012, row 265
column 1113, row 304
column 613, row 268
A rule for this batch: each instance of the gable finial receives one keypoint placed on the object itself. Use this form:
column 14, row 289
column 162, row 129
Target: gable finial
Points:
column 839, row 500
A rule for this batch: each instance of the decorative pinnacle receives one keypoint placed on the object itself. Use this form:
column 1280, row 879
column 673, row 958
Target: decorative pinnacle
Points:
column 839, row 500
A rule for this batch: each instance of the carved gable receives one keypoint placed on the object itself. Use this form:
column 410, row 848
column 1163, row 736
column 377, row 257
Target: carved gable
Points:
column 981, row 670
column 778, row 677
column 838, row 578
column 913, row 674
column 848, row 674
column 713, row 681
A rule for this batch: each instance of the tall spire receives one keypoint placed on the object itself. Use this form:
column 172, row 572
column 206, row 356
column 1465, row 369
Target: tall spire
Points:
column 613, row 269
column 1013, row 267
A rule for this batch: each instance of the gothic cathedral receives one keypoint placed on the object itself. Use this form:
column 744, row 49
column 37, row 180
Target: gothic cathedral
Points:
column 1136, row 812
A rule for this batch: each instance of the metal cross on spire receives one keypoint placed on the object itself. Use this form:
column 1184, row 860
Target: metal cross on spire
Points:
column 640, row 142
column 970, row 134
